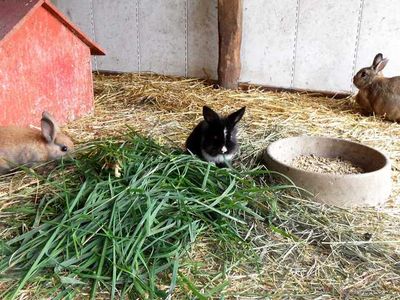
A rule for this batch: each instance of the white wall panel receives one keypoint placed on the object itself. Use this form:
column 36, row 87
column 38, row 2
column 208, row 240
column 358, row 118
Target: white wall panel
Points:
column 380, row 32
column 202, row 38
column 307, row 44
column 268, row 41
column 326, row 44
column 162, row 36
column 116, row 32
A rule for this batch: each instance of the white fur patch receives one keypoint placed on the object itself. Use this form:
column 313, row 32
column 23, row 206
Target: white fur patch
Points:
column 220, row 158
column 34, row 127
column 224, row 149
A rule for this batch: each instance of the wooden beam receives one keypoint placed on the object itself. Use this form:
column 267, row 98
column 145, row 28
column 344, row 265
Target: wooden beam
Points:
column 230, row 15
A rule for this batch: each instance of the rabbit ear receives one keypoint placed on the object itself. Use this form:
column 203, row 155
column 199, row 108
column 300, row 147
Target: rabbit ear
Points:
column 379, row 62
column 209, row 115
column 235, row 117
column 377, row 59
column 380, row 65
column 49, row 127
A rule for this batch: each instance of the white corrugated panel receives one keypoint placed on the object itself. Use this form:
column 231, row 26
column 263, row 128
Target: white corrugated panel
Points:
column 307, row 44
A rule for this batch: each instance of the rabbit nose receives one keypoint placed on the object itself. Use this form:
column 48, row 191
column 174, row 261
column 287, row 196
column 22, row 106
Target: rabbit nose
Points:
column 224, row 150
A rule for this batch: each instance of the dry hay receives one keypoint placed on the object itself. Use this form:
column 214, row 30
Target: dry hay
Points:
column 167, row 108
column 317, row 164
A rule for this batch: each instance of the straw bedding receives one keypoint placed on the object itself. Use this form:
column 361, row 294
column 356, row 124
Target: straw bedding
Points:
column 167, row 108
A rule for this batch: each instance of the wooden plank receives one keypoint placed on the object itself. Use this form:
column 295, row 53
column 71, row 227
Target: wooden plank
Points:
column 267, row 88
column 230, row 16
column 309, row 92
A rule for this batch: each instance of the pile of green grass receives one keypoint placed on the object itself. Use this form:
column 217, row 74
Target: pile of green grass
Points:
column 127, row 233
column 95, row 230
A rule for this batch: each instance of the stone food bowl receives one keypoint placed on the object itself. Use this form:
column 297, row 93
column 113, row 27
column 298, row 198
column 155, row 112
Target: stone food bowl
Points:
column 371, row 188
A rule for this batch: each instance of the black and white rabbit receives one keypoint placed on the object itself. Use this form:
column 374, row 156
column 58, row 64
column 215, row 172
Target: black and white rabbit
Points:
column 214, row 138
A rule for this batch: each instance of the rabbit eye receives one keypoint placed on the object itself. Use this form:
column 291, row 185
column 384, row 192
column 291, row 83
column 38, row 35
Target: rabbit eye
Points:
column 363, row 74
column 64, row 148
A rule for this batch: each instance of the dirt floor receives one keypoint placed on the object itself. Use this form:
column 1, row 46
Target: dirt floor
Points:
column 167, row 108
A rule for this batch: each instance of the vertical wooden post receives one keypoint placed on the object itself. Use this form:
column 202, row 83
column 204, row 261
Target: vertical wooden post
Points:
column 230, row 15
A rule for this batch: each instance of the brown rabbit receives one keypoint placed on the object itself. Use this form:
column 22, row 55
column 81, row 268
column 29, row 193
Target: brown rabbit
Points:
column 378, row 94
column 27, row 146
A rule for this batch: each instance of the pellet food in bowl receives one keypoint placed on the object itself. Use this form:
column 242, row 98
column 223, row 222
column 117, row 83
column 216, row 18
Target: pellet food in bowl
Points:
column 336, row 171
column 318, row 164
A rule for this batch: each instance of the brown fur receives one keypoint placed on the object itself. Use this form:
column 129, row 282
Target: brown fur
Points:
column 27, row 146
column 378, row 94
